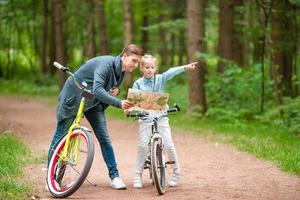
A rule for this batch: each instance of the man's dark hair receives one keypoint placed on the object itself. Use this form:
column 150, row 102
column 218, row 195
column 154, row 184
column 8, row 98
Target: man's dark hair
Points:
column 133, row 49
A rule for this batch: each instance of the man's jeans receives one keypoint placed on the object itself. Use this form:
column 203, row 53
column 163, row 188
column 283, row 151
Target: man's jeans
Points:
column 97, row 120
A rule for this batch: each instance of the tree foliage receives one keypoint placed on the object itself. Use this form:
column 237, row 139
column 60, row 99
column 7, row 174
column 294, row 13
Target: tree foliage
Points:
column 234, row 93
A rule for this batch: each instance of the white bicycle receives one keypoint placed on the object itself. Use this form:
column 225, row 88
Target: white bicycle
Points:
column 156, row 162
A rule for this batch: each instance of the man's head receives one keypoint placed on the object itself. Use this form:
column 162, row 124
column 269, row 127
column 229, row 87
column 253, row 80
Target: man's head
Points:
column 131, row 57
column 148, row 66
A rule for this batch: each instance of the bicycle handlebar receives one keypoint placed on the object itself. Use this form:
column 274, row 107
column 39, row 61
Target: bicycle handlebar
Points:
column 175, row 109
column 146, row 114
column 140, row 114
column 84, row 92
column 60, row 67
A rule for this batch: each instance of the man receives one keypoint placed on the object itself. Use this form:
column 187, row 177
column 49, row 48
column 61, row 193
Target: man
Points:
column 103, row 75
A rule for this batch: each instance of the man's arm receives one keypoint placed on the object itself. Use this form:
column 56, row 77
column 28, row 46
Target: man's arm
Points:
column 100, row 80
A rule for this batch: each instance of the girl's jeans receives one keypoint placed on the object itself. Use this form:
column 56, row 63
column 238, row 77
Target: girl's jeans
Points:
column 145, row 132
column 97, row 121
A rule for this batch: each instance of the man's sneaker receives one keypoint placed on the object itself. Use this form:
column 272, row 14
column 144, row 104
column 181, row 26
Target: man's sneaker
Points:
column 118, row 184
column 174, row 178
column 138, row 182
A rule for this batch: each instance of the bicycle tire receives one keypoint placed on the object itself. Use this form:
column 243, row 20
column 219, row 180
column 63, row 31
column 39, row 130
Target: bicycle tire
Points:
column 57, row 168
column 158, row 166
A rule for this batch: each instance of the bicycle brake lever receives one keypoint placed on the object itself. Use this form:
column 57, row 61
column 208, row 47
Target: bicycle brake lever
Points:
column 66, row 69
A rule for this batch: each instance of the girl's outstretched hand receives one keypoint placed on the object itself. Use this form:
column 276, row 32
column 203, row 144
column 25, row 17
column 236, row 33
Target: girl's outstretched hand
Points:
column 191, row 66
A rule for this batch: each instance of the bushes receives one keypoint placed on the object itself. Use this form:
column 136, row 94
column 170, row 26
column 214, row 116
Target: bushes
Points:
column 235, row 96
column 286, row 116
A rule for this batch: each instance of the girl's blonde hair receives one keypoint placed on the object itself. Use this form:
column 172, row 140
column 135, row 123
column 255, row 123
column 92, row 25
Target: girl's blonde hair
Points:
column 146, row 58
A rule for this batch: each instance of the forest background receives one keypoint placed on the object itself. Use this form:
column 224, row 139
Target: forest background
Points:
column 247, row 81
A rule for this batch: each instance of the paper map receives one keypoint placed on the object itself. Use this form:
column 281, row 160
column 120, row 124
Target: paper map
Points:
column 144, row 100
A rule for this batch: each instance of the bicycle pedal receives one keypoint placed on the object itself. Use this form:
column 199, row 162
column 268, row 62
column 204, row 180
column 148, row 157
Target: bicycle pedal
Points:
column 170, row 162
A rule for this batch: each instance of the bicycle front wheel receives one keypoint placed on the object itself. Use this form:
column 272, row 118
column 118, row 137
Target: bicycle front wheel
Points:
column 65, row 175
column 158, row 166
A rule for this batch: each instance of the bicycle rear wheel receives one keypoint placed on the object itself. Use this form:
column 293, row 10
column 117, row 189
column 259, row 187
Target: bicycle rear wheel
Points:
column 65, row 176
column 158, row 166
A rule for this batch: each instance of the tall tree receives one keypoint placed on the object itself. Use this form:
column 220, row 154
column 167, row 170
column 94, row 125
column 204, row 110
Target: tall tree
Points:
column 177, row 33
column 256, row 22
column 267, row 9
column 104, row 48
column 182, row 47
column 283, row 48
column 145, row 23
column 225, row 32
column 196, row 33
column 127, row 36
column 91, row 49
column 59, row 38
column 239, row 46
column 51, row 41
column 163, row 50
column 231, row 44
column 34, row 33
column 43, row 58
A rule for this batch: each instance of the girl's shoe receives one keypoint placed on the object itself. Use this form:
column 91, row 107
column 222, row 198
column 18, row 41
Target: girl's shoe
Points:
column 174, row 178
column 137, row 182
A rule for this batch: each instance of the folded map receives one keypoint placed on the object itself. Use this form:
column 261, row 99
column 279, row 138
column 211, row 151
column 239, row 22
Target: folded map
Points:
column 144, row 100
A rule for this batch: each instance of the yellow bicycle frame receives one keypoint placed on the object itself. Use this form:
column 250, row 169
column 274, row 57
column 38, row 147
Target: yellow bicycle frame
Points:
column 74, row 125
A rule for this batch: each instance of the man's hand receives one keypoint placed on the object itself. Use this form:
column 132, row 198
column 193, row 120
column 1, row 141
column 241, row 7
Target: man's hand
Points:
column 114, row 91
column 191, row 66
column 126, row 104
column 126, row 111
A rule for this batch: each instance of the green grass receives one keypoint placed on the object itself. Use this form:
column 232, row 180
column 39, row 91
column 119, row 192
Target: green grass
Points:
column 13, row 156
column 23, row 88
column 264, row 142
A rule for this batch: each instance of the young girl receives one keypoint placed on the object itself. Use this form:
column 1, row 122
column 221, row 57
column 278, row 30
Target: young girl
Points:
column 156, row 83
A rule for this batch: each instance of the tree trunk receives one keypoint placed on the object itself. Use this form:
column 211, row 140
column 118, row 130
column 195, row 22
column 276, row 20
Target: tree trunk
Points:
column 177, row 14
column 173, row 49
column 127, row 37
column 163, row 50
column 104, row 49
column 196, row 33
column 225, row 32
column 43, row 54
column 52, row 46
column 283, row 49
column 289, row 47
column 59, row 39
column 182, row 49
column 91, row 49
column 35, row 44
column 145, row 23
column 256, row 13
column 239, row 46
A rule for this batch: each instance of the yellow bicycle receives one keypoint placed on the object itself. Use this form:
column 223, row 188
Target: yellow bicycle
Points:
column 73, row 155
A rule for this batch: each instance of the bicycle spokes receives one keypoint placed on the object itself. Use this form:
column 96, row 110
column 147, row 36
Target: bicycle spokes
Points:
column 66, row 171
column 158, row 166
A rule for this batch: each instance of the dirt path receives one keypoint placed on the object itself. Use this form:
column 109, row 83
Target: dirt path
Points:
column 209, row 171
